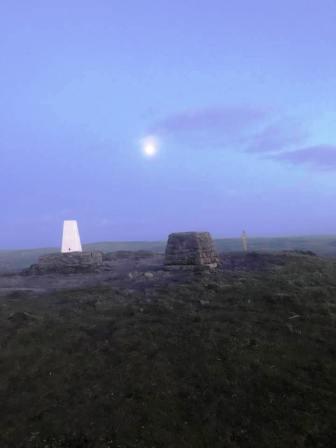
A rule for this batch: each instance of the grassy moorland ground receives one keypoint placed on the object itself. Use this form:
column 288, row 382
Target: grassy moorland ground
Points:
column 242, row 357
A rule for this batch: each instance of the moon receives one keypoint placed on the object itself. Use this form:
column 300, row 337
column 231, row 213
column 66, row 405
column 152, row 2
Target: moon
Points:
column 150, row 146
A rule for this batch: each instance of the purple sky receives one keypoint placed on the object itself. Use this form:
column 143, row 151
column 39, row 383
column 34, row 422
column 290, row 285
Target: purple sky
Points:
column 240, row 95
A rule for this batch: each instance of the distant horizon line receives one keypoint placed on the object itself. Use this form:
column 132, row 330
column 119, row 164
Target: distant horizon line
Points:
column 215, row 238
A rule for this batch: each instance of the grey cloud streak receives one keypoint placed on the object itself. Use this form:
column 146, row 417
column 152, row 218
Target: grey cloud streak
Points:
column 249, row 129
column 276, row 137
column 319, row 157
column 219, row 119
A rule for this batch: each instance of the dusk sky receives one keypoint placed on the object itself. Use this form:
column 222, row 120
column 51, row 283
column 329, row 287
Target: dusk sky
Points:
column 238, row 97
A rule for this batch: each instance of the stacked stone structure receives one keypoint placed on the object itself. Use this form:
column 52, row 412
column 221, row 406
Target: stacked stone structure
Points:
column 191, row 249
column 64, row 263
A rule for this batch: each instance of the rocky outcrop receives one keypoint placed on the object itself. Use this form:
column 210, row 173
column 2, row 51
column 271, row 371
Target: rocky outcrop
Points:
column 64, row 263
column 191, row 249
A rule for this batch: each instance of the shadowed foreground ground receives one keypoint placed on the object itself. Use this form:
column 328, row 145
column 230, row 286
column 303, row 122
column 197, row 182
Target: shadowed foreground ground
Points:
column 237, row 358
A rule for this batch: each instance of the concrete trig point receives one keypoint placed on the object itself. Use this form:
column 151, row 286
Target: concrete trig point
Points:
column 70, row 239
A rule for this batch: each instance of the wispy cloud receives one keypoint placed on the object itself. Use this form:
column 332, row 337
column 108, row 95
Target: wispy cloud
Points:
column 249, row 129
column 222, row 119
column 246, row 128
column 276, row 137
column 320, row 157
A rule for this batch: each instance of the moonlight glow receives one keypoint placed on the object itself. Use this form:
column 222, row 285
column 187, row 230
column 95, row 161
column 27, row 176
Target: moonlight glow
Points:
column 150, row 146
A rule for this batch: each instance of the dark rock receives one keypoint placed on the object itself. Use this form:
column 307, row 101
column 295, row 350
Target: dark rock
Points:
column 63, row 263
column 21, row 317
column 300, row 252
column 191, row 248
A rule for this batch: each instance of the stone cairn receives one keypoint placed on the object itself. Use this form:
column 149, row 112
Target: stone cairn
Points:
column 64, row 263
column 190, row 249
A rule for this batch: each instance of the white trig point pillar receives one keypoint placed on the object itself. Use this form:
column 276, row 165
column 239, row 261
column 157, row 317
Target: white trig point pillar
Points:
column 71, row 240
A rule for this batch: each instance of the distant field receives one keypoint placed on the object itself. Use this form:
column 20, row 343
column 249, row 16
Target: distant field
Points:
column 321, row 245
